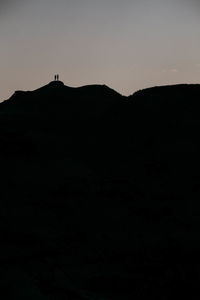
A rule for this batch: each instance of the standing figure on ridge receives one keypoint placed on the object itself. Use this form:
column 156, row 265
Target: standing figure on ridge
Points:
column 57, row 77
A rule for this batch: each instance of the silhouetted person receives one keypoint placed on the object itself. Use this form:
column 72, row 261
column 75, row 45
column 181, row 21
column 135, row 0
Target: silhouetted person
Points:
column 56, row 77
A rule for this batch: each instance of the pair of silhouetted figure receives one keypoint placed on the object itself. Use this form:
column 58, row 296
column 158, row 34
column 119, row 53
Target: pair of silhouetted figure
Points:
column 56, row 77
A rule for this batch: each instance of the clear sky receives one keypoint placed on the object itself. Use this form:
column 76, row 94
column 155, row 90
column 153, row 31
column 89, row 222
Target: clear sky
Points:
column 125, row 44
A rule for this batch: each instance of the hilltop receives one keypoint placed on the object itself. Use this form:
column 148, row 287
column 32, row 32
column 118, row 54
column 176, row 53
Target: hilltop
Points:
column 56, row 97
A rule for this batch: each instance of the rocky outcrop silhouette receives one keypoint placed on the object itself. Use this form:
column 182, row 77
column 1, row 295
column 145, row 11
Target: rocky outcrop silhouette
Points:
column 100, row 193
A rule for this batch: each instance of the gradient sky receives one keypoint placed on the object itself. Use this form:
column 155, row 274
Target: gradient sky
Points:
column 125, row 44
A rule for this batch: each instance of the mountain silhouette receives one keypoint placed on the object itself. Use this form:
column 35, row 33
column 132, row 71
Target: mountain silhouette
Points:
column 100, row 193
column 57, row 97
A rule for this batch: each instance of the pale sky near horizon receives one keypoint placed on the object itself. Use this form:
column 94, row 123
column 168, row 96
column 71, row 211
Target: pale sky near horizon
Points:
column 125, row 44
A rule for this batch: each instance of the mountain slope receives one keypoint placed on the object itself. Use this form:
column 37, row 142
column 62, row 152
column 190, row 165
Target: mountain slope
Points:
column 100, row 193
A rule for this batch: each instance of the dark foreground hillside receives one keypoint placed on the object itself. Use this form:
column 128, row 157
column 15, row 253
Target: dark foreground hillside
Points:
column 100, row 193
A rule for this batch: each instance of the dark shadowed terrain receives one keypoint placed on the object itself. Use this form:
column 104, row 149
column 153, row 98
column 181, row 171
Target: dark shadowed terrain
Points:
column 100, row 193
